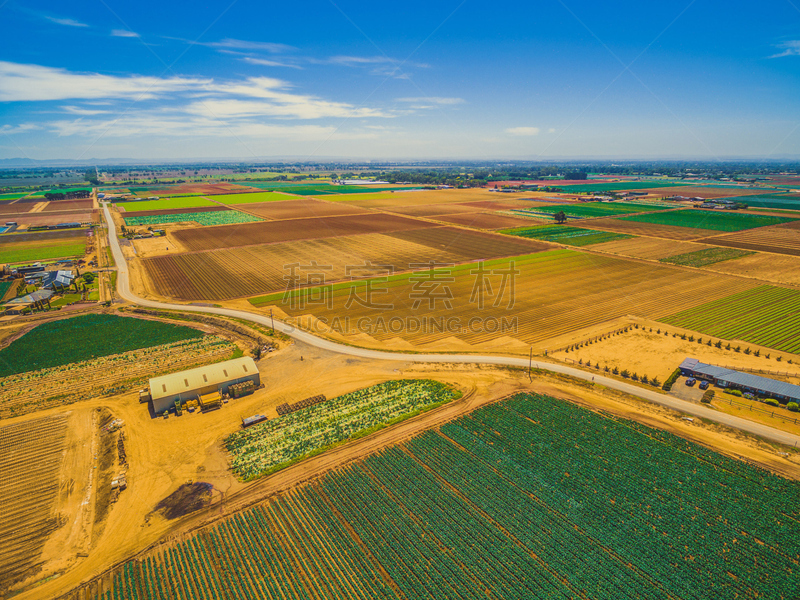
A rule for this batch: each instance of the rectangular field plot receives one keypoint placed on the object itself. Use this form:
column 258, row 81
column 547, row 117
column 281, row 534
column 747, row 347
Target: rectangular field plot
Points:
column 767, row 316
column 169, row 211
column 707, row 219
column 166, row 204
column 648, row 248
column 472, row 511
column 259, row 269
column 484, row 220
column 427, row 210
column 562, row 234
column 253, row 197
column 82, row 204
column 650, row 229
column 270, row 232
column 703, row 258
column 556, row 292
column 205, row 219
column 612, row 187
column 584, row 210
column 784, row 201
column 783, row 239
column 305, row 207
column 275, row 444
column 30, row 460
column 28, row 252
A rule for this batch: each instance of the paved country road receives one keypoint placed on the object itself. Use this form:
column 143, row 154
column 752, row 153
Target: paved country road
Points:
column 698, row 410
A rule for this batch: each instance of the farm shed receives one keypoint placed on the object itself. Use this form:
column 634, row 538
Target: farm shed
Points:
column 191, row 384
column 747, row 382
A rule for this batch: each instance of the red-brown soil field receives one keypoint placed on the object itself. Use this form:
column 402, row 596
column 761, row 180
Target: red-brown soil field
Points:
column 781, row 239
column 486, row 220
column 64, row 205
column 269, row 232
column 236, row 272
column 295, row 209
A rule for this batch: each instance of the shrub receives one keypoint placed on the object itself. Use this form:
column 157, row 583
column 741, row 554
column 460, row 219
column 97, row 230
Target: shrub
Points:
column 718, row 344
column 635, row 377
column 658, row 331
column 793, row 406
column 691, row 338
column 671, row 380
column 728, row 347
column 735, row 393
column 645, row 379
column 747, row 350
column 709, row 343
column 738, row 349
column 757, row 353
column 655, row 382
column 707, row 397
column 766, row 356
column 615, row 371
column 778, row 358
column 771, row 402
column 625, row 373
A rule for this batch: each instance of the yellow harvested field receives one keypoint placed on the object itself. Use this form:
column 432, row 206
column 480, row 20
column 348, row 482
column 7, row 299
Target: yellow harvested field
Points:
column 648, row 248
column 768, row 267
column 556, row 293
column 646, row 229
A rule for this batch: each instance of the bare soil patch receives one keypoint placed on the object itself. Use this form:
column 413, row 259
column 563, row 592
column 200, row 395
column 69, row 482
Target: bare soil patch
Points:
column 486, row 220
column 296, row 209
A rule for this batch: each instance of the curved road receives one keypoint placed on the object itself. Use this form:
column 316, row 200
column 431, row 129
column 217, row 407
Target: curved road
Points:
column 764, row 431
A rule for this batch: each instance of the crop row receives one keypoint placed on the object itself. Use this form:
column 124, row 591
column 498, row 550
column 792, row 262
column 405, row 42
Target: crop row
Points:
column 205, row 218
column 573, row 236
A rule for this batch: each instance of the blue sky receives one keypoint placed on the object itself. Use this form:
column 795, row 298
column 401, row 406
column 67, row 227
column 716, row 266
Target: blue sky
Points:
column 362, row 80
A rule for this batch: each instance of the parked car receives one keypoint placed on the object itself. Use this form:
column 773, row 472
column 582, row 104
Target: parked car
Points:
column 691, row 381
column 703, row 385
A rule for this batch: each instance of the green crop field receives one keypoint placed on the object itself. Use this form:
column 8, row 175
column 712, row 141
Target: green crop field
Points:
column 532, row 497
column 84, row 337
column 5, row 286
column 708, row 219
column 217, row 217
column 62, row 249
column 708, row 256
column 583, row 210
column 252, row 197
column 784, row 201
column 167, row 203
column 614, row 187
column 275, row 444
column 563, row 234
column 766, row 315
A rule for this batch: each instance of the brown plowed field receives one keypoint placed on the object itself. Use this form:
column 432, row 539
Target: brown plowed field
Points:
column 767, row 267
column 83, row 204
column 504, row 204
column 31, row 453
column 51, row 218
column 645, row 229
column 171, row 211
column 435, row 209
column 425, row 197
column 700, row 191
column 297, row 209
column 42, row 237
column 15, row 208
column 781, row 239
column 270, row 232
column 199, row 189
column 486, row 220
column 648, row 248
column 253, row 270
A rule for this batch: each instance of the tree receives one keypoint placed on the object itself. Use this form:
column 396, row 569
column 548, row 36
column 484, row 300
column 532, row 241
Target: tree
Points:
column 560, row 217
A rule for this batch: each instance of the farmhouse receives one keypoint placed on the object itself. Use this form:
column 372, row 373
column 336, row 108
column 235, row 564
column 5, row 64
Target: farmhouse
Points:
column 729, row 378
column 194, row 383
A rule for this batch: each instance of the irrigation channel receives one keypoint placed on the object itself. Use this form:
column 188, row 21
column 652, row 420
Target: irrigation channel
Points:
column 764, row 431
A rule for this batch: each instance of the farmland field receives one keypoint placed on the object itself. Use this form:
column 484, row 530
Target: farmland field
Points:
column 584, row 210
column 776, row 268
column 708, row 256
column 785, row 201
column 30, row 458
column 707, row 219
column 166, row 204
column 51, row 218
column 557, row 292
column 81, row 204
column 648, row 248
column 20, row 253
column 236, row 272
column 169, row 211
column 563, row 234
column 650, row 229
column 31, row 391
column 230, row 236
column 612, row 187
column 255, row 197
column 204, row 219
column 85, row 337
column 783, row 239
column 472, row 510
column 767, row 316
column 277, row 443
column 305, row 207
column 485, row 220
column 428, row 210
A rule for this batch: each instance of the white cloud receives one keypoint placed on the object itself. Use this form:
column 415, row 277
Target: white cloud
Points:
column 20, row 83
column 438, row 100
column 790, row 48
column 267, row 63
column 22, row 128
column 551, row 130
column 67, row 22
column 271, row 47
column 124, row 33
column 77, row 110
column 523, row 131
